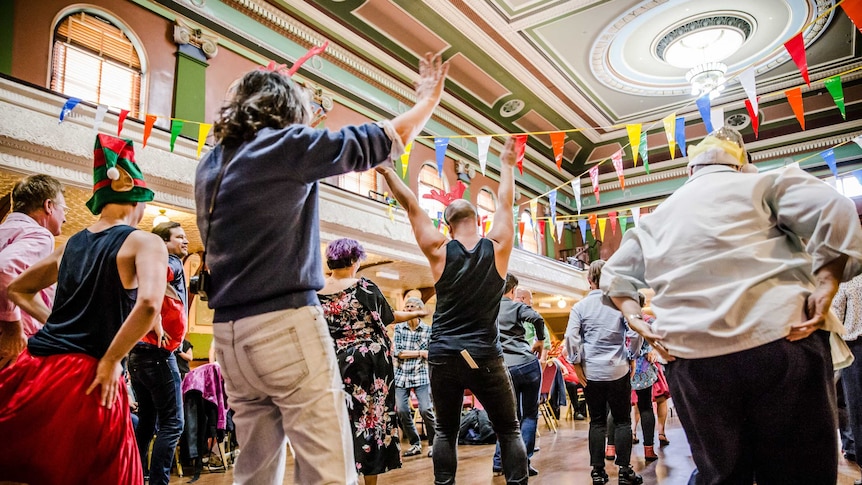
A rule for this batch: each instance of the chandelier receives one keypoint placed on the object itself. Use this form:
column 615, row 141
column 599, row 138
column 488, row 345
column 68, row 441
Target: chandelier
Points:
column 707, row 78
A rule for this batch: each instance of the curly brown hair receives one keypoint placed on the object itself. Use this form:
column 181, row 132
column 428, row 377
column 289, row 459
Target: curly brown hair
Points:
column 258, row 100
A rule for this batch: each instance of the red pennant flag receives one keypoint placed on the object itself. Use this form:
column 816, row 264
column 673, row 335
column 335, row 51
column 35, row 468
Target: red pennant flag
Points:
column 753, row 115
column 121, row 119
column 558, row 138
column 612, row 216
column 149, row 121
column 796, row 48
column 794, row 97
column 593, row 220
column 617, row 158
column 520, row 149
column 594, row 178
column 541, row 228
column 520, row 230
column 853, row 9
column 314, row 51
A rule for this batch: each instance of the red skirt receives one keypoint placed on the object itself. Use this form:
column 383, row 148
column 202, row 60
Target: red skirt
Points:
column 52, row 433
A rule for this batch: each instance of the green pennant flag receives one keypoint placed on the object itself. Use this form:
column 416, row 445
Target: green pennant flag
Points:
column 623, row 220
column 176, row 127
column 643, row 151
column 833, row 84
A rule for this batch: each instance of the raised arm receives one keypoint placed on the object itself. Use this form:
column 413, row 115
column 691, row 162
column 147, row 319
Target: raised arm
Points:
column 502, row 232
column 429, row 89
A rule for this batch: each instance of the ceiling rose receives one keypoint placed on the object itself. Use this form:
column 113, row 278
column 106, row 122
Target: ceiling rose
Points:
column 708, row 39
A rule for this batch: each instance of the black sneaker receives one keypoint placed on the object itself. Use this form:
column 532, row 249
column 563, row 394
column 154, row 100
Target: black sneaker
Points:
column 629, row 477
column 599, row 476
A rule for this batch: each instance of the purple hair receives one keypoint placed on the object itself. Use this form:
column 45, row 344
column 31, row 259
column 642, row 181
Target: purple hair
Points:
column 343, row 252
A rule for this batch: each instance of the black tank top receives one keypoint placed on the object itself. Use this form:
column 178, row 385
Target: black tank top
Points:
column 90, row 304
column 468, row 301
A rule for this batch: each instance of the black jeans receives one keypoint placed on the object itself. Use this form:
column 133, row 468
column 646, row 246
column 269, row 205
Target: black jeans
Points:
column 766, row 414
column 156, row 382
column 491, row 385
column 647, row 418
column 616, row 396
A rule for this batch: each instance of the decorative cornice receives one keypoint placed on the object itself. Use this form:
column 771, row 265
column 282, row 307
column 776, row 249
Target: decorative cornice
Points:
column 185, row 34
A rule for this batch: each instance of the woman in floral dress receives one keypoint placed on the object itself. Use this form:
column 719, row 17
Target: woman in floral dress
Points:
column 357, row 314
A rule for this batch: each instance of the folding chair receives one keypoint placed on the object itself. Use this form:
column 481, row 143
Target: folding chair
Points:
column 545, row 410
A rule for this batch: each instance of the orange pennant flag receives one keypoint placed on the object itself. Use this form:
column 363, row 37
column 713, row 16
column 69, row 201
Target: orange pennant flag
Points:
column 794, row 97
column 592, row 218
column 558, row 138
column 149, row 121
column 603, row 223
column 853, row 9
column 634, row 140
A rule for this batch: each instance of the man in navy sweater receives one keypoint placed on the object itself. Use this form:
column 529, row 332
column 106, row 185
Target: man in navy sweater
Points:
column 258, row 217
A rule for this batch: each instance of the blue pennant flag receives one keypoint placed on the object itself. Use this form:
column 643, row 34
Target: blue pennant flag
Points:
column 829, row 156
column 68, row 107
column 552, row 203
column 440, row 145
column 680, row 134
column 582, row 224
column 705, row 106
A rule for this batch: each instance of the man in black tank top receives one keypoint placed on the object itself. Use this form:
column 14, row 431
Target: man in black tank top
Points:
column 464, row 352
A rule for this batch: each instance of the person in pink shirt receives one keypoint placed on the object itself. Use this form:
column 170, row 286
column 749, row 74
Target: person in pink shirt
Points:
column 27, row 236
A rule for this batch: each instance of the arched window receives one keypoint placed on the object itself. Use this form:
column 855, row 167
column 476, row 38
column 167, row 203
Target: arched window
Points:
column 362, row 183
column 430, row 180
column 485, row 206
column 528, row 240
column 94, row 60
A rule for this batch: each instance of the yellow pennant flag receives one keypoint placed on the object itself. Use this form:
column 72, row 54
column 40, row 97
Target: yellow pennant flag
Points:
column 405, row 158
column 634, row 140
column 670, row 130
column 203, row 131
column 534, row 207
column 603, row 223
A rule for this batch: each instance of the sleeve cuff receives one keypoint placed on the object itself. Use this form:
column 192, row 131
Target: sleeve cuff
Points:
column 397, row 145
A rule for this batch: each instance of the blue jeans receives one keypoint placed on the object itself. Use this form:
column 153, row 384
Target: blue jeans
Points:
column 851, row 380
column 490, row 383
column 402, row 404
column 526, row 382
column 156, row 382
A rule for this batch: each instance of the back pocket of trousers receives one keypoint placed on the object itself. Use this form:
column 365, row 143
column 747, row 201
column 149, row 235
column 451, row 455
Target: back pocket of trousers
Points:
column 277, row 359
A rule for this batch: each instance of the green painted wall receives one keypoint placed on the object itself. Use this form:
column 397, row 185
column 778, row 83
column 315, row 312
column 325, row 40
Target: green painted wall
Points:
column 201, row 343
column 7, row 16
column 190, row 93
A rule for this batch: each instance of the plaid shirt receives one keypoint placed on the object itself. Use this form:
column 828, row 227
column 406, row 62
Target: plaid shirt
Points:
column 414, row 371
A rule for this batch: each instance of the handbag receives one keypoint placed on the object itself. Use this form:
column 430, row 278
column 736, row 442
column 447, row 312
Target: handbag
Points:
column 645, row 374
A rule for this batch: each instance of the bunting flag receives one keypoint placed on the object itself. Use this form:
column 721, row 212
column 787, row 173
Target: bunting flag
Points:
column 149, row 121
column 680, row 135
column 858, row 175
column 617, row 159
column 558, row 139
column 534, row 209
column 520, row 233
column 794, row 97
column 520, row 150
column 405, row 159
column 752, row 113
column 716, row 118
column 636, row 215
column 576, row 189
column 634, row 140
column 482, row 144
column 603, row 223
column 593, row 219
column 121, row 119
column 669, row 122
column 437, row 220
column 624, row 221
column 314, row 51
column 552, row 204
column 833, row 84
column 582, row 225
column 559, row 226
column 746, row 79
column 486, row 227
column 612, row 218
column 176, row 127
column 440, row 145
column 644, row 150
column 829, row 157
column 594, row 178
column 858, row 141
column 541, row 233
column 704, row 105
column 203, row 131
column 796, row 48
column 101, row 110
column 853, row 9
column 68, row 107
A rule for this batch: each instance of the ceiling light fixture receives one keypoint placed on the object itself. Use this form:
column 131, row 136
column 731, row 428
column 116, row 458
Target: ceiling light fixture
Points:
column 387, row 275
column 561, row 303
column 161, row 218
column 707, row 78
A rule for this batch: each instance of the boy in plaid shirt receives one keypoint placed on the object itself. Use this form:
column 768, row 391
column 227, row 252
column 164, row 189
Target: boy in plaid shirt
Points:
column 410, row 348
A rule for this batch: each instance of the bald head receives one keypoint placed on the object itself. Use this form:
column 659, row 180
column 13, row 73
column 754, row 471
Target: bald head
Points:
column 460, row 211
column 524, row 296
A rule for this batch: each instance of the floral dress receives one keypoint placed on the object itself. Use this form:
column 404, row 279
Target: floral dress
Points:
column 357, row 318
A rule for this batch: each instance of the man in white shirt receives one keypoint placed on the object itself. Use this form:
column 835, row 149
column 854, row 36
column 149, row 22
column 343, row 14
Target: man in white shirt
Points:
column 741, row 304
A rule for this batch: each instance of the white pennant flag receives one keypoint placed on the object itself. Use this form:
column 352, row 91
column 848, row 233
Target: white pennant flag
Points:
column 858, row 141
column 716, row 115
column 100, row 115
column 636, row 214
column 560, row 225
column 483, row 142
column 746, row 78
column 576, row 187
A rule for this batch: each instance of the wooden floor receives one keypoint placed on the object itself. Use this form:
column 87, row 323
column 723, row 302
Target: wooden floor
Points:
column 563, row 458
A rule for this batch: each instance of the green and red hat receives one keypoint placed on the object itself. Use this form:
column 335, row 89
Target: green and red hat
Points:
column 116, row 176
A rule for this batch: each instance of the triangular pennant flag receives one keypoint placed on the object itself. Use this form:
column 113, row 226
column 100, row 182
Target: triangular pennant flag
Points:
column 833, row 84
column 405, row 159
column 858, row 175
column 794, row 97
column 486, row 227
column 520, row 150
column 704, row 105
column 853, row 9
column 829, row 157
column 576, row 189
column 593, row 218
column 612, row 218
column 669, row 122
column 623, row 220
column 634, row 140
column 559, row 226
column 203, row 131
column 482, row 144
column 716, row 117
column 582, row 225
column 858, row 141
column 121, row 119
column 100, row 116
column 534, row 208
column 440, row 145
column 558, row 139
column 752, row 113
column 594, row 178
column 644, row 151
column 437, row 220
column 603, row 224
column 796, row 48
column 176, row 127
column 67, row 108
column 552, row 205
column 446, row 230
column 617, row 159
column 746, row 79
column 149, row 121
column 680, row 135
column 521, row 227
column 541, row 234
column 636, row 215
